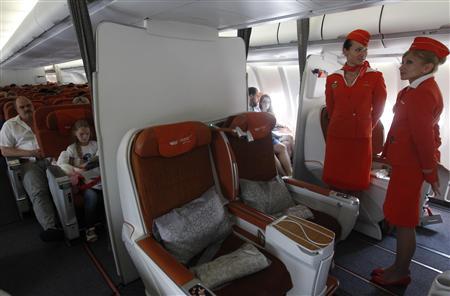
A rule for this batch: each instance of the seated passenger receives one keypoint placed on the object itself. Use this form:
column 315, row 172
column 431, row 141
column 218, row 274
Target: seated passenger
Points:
column 77, row 156
column 253, row 100
column 18, row 140
column 80, row 100
column 281, row 149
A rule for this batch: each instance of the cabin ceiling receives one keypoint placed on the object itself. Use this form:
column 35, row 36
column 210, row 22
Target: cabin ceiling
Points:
column 59, row 43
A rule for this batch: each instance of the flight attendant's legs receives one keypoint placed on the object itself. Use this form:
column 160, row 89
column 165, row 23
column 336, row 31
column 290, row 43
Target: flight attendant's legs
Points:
column 406, row 246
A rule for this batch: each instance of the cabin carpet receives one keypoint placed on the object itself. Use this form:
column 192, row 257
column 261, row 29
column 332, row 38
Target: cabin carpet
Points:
column 350, row 285
column 32, row 267
column 360, row 257
column 8, row 208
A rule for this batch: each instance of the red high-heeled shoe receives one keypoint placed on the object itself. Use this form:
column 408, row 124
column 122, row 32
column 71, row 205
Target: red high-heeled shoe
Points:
column 380, row 271
column 404, row 281
column 377, row 271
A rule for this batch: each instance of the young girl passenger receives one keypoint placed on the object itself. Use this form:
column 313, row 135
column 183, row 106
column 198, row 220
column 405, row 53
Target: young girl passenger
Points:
column 76, row 157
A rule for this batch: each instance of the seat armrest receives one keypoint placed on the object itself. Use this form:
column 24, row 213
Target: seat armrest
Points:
column 59, row 176
column 309, row 186
column 13, row 163
column 252, row 216
column 175, row 270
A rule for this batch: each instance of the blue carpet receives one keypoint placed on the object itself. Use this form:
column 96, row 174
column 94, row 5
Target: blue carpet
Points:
column 362, row 257
column 31, row 267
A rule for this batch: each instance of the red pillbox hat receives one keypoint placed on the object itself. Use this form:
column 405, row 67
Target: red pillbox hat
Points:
column 429, row 44
column 360, row 36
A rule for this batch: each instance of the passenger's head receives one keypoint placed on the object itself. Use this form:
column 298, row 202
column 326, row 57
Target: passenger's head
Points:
column 80, row 100
column 423, row 57
column 355, row 47
column 265, row 104
column 81, row 131
column 24, row 108
column 253, row 96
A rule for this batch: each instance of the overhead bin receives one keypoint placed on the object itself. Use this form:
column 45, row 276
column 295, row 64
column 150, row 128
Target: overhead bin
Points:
column 41, row 18
column 288, row 30
column 414, row 16
column 264, row 35
column 338, row 25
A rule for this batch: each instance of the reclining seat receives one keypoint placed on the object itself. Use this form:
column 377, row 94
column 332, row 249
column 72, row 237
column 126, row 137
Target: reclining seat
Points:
column 14, row 163
column 164, row 170
column 255, row 162
column 236, row 157
column 53, row 126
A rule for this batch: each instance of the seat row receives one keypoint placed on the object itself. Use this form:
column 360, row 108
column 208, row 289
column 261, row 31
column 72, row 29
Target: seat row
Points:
column 167, row 172
column 52, row 127
column 8, row 110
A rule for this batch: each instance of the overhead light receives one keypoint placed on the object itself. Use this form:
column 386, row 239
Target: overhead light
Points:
column 12, row 14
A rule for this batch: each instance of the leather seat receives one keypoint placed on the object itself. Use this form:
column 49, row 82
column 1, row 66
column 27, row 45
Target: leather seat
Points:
column 255, row 159
column 170, row 166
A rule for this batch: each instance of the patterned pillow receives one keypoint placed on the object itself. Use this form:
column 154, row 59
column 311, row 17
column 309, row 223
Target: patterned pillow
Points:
column 244, row 261
column 268, row 197
column 186, row 231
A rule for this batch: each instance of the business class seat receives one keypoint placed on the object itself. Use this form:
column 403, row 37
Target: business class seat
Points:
column 164, row 168
column 235, row 157
column 372, row 199
column 255, row 162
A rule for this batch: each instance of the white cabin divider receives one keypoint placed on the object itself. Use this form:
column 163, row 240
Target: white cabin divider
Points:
column 169, row 72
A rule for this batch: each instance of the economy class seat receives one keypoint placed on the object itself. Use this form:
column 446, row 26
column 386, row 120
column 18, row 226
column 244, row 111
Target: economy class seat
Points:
column 53, row 125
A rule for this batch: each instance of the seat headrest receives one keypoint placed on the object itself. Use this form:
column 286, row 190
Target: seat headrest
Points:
column 172, row 139
column 63, row 120
column 260, row 124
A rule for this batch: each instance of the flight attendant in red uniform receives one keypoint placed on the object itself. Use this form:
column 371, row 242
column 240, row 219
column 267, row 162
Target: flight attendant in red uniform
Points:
column 355, row 97
column 412, row 150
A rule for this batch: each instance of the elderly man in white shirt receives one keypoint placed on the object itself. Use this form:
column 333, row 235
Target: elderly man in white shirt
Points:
column 18, row 140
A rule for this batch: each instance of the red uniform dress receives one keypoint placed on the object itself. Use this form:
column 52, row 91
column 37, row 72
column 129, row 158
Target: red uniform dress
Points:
column 412, row 146
column 353, row 111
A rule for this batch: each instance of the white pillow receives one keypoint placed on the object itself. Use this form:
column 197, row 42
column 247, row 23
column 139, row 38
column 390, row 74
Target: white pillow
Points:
column 244, row 261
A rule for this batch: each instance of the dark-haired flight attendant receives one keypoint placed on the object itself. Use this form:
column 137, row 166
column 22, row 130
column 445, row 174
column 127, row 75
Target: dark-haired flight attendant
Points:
column 412, row 150
column 355, row 97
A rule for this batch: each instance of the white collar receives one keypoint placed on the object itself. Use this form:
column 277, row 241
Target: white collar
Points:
column 22, row 123
column 419, row 80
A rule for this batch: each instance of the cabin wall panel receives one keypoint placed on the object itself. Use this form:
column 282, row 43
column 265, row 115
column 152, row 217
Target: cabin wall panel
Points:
column 146, row 79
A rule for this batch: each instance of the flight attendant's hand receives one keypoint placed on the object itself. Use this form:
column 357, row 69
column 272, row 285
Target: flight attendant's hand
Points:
column 435, row 187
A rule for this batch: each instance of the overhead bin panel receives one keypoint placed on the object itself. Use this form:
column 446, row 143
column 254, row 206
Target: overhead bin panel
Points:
column 264, row 35
column 288, row 30
column 315, row 28
column 338, row 25
column 41, row 18
column 415, row 16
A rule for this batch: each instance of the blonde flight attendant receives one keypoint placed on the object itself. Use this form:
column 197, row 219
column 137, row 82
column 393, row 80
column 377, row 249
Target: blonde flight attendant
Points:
column 412, row 150
column 355, row 97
